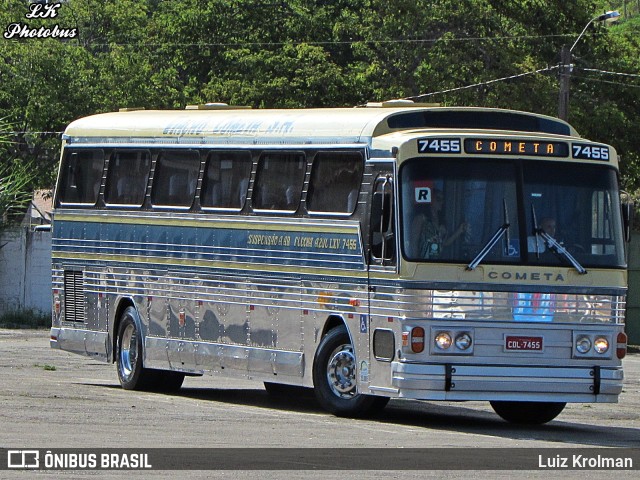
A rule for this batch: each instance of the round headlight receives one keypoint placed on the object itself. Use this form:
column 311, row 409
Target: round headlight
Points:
column 583, row 345
column 463, row 341
column 601, row 345
column 443, row 340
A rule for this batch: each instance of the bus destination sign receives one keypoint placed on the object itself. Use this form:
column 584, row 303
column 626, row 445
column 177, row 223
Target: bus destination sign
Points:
column 496, row 146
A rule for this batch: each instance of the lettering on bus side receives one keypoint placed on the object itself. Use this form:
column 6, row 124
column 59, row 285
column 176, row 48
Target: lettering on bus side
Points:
column 304, row 241
column 524, row 276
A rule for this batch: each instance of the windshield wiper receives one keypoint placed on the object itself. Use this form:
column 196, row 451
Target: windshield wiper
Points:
column 553, row 244
column 493, row 240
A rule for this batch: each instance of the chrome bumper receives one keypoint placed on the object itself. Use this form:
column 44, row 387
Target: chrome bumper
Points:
column 513, row 383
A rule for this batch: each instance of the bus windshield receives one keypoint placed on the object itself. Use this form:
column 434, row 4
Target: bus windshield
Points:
column 541, row 213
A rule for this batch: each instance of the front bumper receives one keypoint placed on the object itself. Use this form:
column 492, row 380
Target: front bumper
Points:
column 510, row 383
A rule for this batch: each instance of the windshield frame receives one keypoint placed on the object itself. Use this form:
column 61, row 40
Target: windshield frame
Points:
column 521, row 225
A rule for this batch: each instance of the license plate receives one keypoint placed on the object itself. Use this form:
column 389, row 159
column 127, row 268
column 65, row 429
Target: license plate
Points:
column 523, row 344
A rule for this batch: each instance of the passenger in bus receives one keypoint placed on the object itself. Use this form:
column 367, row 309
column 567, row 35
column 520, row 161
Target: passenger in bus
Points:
column 181, row 188
column 292, row 195
column 243, row 185
column 130, row 190
column 430, row 231
column 345, row 188
column 548, row 226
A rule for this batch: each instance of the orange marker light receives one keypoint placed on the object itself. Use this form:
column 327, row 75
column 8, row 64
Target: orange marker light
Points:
column 417, row 339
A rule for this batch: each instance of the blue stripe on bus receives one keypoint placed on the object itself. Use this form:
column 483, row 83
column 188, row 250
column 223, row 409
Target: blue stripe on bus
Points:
column 302, row 249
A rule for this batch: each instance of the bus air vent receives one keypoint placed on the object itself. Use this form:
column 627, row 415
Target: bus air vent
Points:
column 73, row 296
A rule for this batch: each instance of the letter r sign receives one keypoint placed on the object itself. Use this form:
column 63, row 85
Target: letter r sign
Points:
column 423, row 194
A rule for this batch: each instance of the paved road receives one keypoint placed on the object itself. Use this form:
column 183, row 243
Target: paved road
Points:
column 54, row 399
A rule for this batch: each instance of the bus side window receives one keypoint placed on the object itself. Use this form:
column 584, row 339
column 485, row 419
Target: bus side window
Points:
column 382, row 225
column 279, row 179
column 127, row 177
column 335, row 182
column 175, row 178
column 81, row 176
column 226, row 179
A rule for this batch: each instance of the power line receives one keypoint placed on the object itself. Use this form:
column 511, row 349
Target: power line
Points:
column 588, row 79
column 481, row 84
column 29, row 132
column 332, row 42
column 605, row 72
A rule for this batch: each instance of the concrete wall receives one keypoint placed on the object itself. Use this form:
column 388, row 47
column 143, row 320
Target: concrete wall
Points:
column 25, row 270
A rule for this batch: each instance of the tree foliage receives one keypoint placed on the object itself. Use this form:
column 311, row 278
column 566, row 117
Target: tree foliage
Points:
column 15, row 184
column 310, row 53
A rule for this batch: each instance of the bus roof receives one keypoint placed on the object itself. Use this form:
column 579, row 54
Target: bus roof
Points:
column 300, row 126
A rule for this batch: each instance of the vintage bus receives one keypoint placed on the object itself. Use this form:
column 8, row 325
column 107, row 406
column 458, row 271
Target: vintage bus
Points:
column 396, row 250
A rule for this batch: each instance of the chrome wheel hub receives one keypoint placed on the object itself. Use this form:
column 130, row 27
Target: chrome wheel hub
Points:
column 341, row 372
column 128, row 352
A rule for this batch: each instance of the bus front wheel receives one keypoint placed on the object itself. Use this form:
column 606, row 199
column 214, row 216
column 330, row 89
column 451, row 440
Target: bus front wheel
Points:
column 528, row 413
column 131, row 373
column 334, row 378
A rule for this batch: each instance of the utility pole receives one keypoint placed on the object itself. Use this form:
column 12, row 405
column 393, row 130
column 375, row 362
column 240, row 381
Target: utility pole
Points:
column 566, row 67
column 565, row 83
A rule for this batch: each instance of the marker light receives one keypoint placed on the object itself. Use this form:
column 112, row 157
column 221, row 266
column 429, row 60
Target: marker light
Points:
column 443, row 340
column 417, row 339
column 621, row 349
column 583, row 345
column 463, row 341
column 601, row 345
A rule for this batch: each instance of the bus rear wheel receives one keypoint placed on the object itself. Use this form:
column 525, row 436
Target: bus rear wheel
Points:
column 131, row 373
column 334, row 378
column 528, row 413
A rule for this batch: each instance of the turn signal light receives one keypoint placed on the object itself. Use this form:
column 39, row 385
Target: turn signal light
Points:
column 621, row 349
column 417, row 339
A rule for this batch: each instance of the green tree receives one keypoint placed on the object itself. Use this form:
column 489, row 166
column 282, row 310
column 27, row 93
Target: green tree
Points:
column 16, row 180
column 311, row 53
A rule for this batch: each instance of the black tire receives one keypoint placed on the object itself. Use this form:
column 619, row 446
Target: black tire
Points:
column 164, row 381
column 528, row 413
column 131, row 372
column 334, row 378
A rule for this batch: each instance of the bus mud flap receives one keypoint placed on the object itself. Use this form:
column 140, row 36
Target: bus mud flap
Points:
column 448, row 372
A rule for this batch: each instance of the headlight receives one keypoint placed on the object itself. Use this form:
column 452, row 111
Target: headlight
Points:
column 463, row 341
column 443, row 340
column 583, row 345
column 601, row 345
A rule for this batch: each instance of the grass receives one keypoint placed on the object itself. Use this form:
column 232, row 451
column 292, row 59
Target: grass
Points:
column 25, row 319
column 46, row 367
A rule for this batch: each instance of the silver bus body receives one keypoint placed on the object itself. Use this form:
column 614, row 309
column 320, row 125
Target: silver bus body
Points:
column 252, row 291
